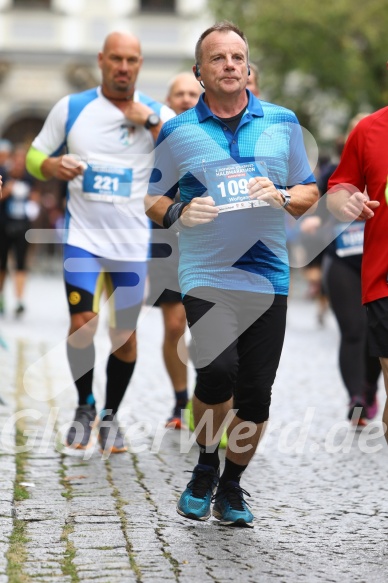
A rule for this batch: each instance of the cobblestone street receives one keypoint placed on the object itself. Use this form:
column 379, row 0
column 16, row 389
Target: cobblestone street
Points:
column 318, row 487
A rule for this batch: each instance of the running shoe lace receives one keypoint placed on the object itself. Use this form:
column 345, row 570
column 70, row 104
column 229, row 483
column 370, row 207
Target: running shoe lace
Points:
column 202, row 482
column 234, row 495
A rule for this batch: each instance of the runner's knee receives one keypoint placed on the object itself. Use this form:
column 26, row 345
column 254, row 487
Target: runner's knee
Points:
column 215, row 382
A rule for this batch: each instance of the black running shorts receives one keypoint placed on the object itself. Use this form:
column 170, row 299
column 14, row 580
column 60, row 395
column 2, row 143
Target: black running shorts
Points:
column 377, row 312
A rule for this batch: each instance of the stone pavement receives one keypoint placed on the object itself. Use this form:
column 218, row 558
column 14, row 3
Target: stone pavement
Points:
column 319, row 488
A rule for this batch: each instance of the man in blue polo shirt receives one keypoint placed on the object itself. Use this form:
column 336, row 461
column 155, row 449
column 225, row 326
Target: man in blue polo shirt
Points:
column 239, row 164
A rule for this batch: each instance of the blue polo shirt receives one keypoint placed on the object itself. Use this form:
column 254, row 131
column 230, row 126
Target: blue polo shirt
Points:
column 245, row 247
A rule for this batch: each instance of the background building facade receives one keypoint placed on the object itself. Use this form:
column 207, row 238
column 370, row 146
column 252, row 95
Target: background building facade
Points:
column 48, row 48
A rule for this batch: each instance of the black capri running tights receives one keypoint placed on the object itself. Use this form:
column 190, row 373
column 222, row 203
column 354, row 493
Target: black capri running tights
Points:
column 237, row 342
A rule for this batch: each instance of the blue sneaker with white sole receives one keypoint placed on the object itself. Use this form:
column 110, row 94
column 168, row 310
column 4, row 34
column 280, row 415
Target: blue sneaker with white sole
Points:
column 195, row 501
column 230, row 507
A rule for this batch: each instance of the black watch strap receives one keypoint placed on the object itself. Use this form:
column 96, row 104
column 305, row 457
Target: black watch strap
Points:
column 153, row 120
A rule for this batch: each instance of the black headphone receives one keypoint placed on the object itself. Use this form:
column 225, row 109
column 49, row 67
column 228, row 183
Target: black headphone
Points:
column 198, row 74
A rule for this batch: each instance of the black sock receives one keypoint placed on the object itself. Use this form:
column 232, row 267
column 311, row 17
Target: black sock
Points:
column 208, row 455
column 181, row 400
column 118, row 375
column 81, row 360
column 232, row 472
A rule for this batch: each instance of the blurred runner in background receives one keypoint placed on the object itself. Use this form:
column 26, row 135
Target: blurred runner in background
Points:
column 18, row 207
column 183, row 93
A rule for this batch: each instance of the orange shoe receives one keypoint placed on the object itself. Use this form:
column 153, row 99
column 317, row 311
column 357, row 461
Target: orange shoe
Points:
column 175, row 423
column 357, row 413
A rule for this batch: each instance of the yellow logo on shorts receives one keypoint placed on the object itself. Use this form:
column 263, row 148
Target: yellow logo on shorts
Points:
column 74, row 298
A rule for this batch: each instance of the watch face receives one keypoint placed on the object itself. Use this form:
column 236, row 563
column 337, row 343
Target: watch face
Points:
column 153, row 119
column 285, row 196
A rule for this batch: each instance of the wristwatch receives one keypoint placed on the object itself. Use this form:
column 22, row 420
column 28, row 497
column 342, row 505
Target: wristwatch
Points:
column 153, row 120
column 286, row 196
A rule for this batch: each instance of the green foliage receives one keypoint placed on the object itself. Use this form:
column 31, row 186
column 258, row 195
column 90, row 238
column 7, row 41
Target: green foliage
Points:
column 338, row 49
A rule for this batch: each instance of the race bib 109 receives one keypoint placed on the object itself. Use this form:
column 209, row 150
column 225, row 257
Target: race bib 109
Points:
column 228, row 185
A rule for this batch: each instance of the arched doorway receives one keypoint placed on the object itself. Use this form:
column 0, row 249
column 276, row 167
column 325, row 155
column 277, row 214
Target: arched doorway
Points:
column 22, row 128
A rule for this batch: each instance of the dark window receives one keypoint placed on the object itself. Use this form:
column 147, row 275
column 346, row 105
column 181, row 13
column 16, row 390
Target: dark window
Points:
column 23, row 130
column 32, row 4
column 157, row 5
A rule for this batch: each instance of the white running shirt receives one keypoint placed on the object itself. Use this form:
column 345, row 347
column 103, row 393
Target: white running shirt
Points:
column 105, row 206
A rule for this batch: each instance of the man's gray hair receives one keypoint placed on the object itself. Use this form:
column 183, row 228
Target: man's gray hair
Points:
column 223, row 26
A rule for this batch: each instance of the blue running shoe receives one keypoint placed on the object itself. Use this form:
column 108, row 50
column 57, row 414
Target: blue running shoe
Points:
column 230, row 507
column 196, row 499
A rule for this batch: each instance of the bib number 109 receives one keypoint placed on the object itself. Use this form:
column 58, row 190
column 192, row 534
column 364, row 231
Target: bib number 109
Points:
column 233, row 187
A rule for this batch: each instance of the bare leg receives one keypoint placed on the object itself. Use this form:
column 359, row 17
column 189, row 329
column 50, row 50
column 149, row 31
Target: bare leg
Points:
column 243, row 439
column 124, row 344
column 83, row 327
column 217, row 418
column 3, row 275
column 174, row 328
column 20, row 283
column 384, row 366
